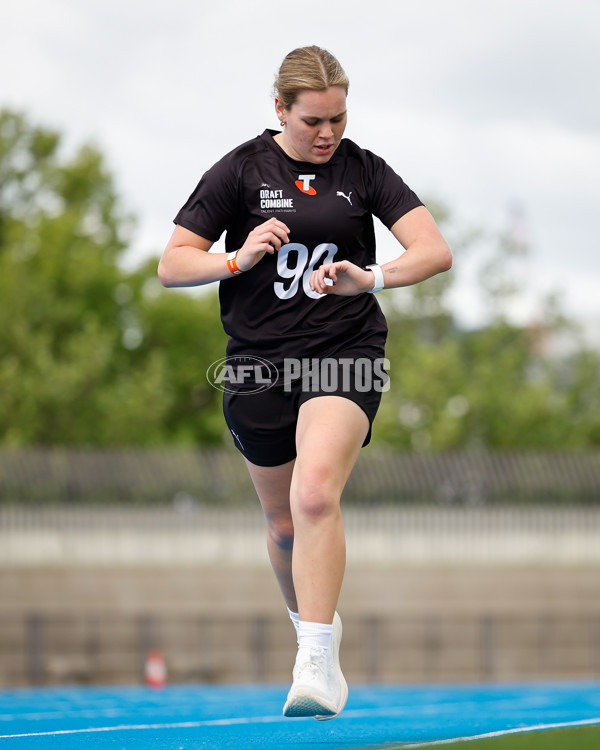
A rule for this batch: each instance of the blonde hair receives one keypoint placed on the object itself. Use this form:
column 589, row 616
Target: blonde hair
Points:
column 308, row 69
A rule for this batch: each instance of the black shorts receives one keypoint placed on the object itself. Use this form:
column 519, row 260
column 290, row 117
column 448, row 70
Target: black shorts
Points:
column 263, row 423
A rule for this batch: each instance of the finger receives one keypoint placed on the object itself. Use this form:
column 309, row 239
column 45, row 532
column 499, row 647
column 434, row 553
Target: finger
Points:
column 326, row 287
column 277, row 240
column 281, row 225
column 274, row 225
column 315, row 281
column 323, row 281
column 282, row 234
column 326, row 277
column 270, row 243
column 265, row 233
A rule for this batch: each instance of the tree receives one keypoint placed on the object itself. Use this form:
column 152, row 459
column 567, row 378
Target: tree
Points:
column 83, row 359
column 500, row 386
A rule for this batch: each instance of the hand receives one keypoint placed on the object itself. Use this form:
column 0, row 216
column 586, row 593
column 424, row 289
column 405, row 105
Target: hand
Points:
column 265, row 238
column 343, row 278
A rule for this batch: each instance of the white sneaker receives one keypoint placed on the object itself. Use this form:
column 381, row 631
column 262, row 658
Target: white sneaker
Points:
column 319, row 688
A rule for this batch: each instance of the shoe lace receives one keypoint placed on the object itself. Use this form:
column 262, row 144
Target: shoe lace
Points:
column 313, row 666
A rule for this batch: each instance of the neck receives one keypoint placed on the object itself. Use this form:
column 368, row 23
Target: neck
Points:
column 281, row 141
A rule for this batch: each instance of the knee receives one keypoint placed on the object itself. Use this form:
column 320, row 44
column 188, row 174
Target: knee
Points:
column 315, row 500
column 281, row 531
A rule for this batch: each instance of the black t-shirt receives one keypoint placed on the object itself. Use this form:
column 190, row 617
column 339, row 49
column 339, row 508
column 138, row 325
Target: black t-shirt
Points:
column 270, row 310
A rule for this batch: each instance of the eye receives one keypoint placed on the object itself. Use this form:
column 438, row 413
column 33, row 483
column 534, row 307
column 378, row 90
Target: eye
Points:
column 311, row 123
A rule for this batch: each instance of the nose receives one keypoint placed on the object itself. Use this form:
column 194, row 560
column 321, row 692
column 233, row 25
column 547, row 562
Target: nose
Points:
column 326, row 130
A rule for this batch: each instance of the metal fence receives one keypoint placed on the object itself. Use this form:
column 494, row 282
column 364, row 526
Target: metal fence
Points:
column 210, row 476
column 43, row 649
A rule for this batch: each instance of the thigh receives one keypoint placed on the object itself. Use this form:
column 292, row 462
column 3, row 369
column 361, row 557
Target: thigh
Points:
column 330, row 433
column 354, row 376
column 272, row 485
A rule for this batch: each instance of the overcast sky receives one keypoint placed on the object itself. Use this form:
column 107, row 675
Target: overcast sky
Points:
column 491, row 106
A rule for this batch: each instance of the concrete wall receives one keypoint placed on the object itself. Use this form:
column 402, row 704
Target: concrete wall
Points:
column 434, row 595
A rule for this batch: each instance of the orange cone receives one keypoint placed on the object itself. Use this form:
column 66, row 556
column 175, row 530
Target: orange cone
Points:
column 156, row 669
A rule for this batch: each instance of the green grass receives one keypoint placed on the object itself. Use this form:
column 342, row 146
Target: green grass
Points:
column 579, row 738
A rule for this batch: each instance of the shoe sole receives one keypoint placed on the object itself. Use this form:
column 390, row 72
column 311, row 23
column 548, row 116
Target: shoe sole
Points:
column 302, row 703
column 337, row 640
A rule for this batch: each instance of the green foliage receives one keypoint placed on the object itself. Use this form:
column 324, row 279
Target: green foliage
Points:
column 91, row 354
column 501, row 386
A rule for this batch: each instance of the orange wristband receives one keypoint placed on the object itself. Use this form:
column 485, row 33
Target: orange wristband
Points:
column 232, row 265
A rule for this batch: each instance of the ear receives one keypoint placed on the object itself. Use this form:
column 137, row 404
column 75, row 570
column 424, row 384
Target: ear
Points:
column 279, row 108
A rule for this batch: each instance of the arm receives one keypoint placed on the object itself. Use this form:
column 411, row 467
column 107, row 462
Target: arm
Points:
column 426, row 255
column 187, row 262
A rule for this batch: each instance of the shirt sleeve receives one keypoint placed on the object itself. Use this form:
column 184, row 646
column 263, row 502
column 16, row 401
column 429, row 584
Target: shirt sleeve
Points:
column 211, row 207
column 391, row 197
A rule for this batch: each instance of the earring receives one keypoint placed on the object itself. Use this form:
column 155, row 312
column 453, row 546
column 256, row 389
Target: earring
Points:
column 282, row 123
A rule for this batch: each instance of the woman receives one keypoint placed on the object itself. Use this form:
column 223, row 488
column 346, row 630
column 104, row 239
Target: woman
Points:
column 297, row 290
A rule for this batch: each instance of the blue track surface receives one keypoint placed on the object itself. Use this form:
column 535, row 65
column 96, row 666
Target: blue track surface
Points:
column 183, row 717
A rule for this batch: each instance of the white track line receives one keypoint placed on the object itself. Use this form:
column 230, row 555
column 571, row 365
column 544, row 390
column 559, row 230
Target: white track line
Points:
column 280, row 718
column 141, row 727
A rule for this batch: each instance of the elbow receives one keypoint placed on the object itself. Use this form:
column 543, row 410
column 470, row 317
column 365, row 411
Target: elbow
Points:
column 446, row 259
column 163, row 275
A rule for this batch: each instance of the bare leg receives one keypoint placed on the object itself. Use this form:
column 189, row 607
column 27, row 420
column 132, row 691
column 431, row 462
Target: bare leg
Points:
column 301, row 503
column 306, row 542
column 272, row 485
column 329, row 435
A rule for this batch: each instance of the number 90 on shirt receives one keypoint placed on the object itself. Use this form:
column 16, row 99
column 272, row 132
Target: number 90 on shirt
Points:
column 293, row 263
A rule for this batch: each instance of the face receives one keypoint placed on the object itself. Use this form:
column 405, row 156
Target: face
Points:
column 314, row 126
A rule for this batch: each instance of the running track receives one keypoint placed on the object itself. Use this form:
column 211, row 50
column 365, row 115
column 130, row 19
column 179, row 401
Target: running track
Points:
column 241, row 717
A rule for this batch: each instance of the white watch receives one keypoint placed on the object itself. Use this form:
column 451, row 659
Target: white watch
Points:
column 379, row 281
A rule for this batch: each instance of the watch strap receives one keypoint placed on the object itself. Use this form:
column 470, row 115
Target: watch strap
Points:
column 379, row 280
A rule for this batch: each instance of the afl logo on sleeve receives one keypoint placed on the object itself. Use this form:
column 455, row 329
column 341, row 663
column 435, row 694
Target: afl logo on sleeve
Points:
column 303, row 184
